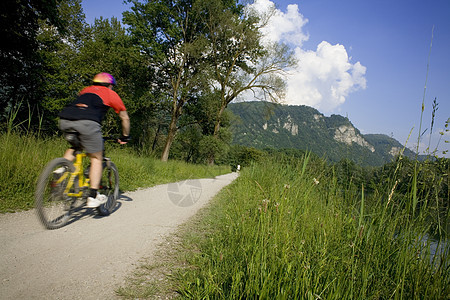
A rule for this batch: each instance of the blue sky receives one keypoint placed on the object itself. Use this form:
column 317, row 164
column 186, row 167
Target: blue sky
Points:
column 363, row 59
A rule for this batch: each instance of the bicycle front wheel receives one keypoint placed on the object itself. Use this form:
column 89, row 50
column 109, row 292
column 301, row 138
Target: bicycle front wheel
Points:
column 109, row 186
column 53, row 206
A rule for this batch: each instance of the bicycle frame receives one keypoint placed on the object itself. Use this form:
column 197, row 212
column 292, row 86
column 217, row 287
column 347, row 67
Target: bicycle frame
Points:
column 82, row 181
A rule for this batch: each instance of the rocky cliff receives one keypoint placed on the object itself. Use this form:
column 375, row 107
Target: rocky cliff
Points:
column 265, row 125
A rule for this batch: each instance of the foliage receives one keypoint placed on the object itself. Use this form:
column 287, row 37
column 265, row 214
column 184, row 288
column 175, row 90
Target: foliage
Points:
column 432, row 190
column 167, row 72
column 61, row 69
column 168, row 33
column 23, row 157
column 244, row 156
column 21, row 63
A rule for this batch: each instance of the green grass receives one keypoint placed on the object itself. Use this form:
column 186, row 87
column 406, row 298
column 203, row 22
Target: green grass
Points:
column 282, row 230
column 23, row 157
column 275, row 233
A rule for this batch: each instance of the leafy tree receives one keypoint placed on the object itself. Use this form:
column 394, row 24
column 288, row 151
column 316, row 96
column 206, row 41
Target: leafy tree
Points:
column 168, row 34
column 61, row 68
column 244, row 156
column 187, row 144
column 20, row 61
column 240, row 61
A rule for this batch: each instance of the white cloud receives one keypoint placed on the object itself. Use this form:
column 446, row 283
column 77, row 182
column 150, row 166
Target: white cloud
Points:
column 323, row 78
column 282, row 26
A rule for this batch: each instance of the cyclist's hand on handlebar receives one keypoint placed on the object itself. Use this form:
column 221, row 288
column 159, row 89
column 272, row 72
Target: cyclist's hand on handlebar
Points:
column 124, row 139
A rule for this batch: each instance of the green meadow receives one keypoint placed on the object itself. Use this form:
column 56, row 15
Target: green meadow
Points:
column 286, row 229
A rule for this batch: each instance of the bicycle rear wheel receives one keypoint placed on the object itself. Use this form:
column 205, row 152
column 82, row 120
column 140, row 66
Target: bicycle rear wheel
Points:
column 109, row 186
column 53, row 206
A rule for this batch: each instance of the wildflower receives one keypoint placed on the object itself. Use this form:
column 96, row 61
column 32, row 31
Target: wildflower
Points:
column 265, row 204
column 316, row 182
column 276, row 205
column 287, row 186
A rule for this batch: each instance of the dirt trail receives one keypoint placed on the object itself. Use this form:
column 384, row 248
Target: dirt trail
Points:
column 90, row 257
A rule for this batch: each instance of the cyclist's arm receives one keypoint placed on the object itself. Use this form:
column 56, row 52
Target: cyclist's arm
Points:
column 123, row 115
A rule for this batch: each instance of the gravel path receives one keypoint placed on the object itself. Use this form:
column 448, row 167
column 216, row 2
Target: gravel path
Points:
column 91, row 256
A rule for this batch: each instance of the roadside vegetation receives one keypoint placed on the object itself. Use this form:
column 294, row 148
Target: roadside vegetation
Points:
column 24, row 155
column 290, row 229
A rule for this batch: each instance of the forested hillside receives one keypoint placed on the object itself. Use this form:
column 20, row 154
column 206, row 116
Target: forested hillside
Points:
column 266, row 125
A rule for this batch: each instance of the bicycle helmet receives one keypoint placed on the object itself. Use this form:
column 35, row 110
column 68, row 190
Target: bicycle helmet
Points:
column 104, row 79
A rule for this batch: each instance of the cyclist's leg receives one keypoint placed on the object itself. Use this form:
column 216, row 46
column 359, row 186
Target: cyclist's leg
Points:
column 95, row 172
column 69, row 154
column 92, row 142
column 95, row 199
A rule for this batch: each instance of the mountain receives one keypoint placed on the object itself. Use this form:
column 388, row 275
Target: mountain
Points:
column 268, row 125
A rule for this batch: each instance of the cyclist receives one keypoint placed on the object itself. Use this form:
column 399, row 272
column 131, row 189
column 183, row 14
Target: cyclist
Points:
column 84, row 115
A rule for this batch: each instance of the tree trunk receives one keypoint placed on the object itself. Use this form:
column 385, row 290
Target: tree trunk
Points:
column 219, row 116
column 170, row 138
column 212, row 158
column 156, row 137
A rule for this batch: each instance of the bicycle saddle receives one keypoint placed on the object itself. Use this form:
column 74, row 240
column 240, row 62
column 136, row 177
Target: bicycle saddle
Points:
column 73, row 138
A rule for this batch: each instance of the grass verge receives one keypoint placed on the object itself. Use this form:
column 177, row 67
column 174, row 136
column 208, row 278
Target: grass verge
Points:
column 23, row 157
column 288, row 231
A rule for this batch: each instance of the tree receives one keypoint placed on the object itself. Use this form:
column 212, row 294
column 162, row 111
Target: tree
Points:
column 168, row 34
column 240, row 60
column 61, row 70
column 20, row 62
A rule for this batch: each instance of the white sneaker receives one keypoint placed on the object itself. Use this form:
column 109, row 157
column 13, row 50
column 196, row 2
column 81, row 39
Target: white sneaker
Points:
column 97, row 201
column 58, row 172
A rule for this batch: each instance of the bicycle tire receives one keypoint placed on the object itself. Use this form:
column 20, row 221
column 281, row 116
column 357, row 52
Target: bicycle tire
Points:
column 109, row 186
column 52, row 205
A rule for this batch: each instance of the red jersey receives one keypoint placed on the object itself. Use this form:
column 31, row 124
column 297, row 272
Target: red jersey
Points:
column 92, row 103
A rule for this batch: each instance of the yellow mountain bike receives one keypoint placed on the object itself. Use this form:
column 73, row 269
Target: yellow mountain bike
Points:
column 63, row 187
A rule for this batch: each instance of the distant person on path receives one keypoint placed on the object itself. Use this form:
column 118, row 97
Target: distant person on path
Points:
column 85, row 115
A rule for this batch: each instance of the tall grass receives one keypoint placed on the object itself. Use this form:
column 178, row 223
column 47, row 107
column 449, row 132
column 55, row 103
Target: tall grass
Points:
column 24, row 155
column 286, row 230
column 22, row 158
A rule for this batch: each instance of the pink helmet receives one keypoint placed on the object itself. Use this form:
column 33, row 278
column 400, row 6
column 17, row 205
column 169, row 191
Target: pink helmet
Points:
column 104, row 78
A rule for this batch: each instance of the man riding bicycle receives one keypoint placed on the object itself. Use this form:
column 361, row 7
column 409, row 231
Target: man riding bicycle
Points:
column 84, row 115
